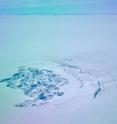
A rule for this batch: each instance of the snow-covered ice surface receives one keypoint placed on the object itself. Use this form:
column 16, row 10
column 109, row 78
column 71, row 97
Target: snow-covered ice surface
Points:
column 89, row 91
column 82, row 74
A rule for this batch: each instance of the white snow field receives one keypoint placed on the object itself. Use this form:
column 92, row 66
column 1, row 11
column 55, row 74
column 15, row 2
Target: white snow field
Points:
column 80, row 49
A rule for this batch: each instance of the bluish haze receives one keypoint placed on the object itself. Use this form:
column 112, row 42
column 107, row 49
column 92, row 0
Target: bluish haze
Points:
column 58, row 7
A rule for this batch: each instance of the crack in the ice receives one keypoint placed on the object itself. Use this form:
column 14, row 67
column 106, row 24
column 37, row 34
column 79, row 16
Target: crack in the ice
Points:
column 98, row 89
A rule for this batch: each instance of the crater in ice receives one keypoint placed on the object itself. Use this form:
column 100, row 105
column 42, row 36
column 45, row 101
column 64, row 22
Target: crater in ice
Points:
column 45, row 81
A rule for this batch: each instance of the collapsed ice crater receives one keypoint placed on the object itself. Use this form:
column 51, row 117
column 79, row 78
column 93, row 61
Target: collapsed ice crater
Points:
column 44, row 84
column 41, row 84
